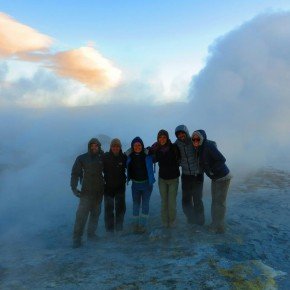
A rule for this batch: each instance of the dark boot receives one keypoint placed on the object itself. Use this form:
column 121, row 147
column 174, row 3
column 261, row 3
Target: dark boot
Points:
column 77, row 243
column 92, row 237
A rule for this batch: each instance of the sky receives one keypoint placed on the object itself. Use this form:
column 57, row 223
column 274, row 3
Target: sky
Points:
column 157, row 44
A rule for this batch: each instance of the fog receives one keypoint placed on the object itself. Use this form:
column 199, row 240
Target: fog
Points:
column 241, row 98
column 38, row 148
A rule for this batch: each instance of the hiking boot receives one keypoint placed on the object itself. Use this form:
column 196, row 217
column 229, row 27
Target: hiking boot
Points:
column 143, row 224
column 110, row 234
column 220, row 230
column 142, row 230
column 92, row 237
column 77, row 243
column 211, row 228
column 135, row 224
column 135, row 229
column 216, row 229
column 172, row 225
column 119, row 227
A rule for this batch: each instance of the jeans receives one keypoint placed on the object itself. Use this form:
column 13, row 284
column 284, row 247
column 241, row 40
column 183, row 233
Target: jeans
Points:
column 141, row 193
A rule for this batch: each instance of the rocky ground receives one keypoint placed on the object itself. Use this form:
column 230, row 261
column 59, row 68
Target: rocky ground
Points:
column 253, row 254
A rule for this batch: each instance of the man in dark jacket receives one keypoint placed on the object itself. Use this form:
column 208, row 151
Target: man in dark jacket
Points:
column 115, row 186
column 191, row 178
column 87, row 170
column 213, row 164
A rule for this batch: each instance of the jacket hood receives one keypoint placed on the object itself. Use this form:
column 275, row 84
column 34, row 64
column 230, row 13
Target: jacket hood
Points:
column 163, row 133
column 182, row 128
column 94, row 141
column 135, row 140
column 201, row 134
column 117, row 142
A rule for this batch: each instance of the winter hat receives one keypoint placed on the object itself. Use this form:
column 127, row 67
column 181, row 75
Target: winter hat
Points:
column 94, row 141
column 135, row 140
column 116, row 142
column 163, row 132
column 201, row 137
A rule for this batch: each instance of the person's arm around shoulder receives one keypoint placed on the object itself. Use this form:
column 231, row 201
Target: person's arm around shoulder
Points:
column 153, row 150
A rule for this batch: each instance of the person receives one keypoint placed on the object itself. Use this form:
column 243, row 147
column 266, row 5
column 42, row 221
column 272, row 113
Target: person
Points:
column 191, row 179
column 213, row 163
column 167, row 155
column 140, row 171
column 87, row 170
column 115, row 186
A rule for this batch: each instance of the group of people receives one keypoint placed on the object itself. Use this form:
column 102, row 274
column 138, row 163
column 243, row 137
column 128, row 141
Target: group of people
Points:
column 106, row 175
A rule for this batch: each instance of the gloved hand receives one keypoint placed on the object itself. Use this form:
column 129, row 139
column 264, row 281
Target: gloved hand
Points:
column 76, row 192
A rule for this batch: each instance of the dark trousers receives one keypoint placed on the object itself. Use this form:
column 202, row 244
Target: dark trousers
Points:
column 192, row 204
column 115, row 208
column 89, row 207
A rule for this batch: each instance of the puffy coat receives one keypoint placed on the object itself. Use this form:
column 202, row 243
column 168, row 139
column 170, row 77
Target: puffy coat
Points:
column 188, row 161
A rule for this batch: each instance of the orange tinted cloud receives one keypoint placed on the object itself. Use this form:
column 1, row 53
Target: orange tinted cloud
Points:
column 17, row 38
column 87, row 66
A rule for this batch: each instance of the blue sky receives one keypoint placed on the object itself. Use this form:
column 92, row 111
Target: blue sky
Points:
column 145, row 39
column 145, row 31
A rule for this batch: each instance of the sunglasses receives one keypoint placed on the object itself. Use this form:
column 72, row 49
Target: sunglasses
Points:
column 195, row 139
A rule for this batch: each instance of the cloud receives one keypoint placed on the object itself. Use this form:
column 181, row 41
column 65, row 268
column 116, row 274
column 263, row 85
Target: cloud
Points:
column 87, row 66
column 17, row 38
column 242, row 94
column 42, row 88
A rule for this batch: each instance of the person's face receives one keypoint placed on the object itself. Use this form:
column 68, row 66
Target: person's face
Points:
column 94, row 148
column 195, row 140
column 181, row 136
column 116, row 149
column 162, row 140
column 137, row 147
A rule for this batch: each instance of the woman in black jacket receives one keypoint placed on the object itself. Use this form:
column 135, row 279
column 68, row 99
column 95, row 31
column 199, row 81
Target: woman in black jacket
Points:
column 167, row 155
column 213, row 164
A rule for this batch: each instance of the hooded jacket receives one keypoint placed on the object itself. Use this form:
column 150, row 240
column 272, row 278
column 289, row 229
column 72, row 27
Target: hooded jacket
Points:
column 188, row 161
column 210, row 158
column 167, row 156
column 144, row 154
column 87, row 170
column 114, row 169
